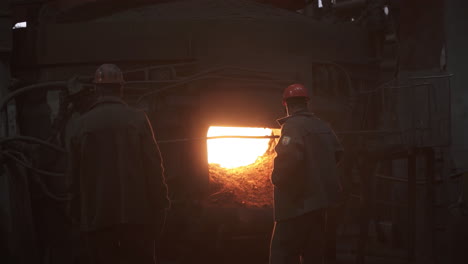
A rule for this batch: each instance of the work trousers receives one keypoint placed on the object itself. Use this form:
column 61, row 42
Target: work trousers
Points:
column 458, row 235
column 299, row 240
column 118, row 245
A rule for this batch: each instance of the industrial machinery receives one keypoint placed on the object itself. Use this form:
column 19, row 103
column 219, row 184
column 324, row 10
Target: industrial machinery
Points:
column 196, row 65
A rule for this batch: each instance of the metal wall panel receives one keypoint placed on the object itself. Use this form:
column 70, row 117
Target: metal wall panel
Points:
column 149, row 33
column 5, row 26
column 456, row 23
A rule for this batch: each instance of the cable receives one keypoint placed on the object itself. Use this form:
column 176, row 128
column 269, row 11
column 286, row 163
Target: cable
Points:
column 343, row 69
column 32, row 140
column 384, row 85
column 25, row 89
column 36, row 178
column 176, row 83
column 195, row 77
column 49, row 193
column 432, row 76
column 221, row 68
column 183, row 81
column 23, row 163
column 27, row 2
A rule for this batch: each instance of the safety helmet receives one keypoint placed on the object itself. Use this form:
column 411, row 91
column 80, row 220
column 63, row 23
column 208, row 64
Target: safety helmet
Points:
column 295, row 90
column 108, row 74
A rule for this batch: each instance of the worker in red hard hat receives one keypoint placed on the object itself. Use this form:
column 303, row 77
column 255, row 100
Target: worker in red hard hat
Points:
column 305, row 181
column 295, row 91
column 118, row 185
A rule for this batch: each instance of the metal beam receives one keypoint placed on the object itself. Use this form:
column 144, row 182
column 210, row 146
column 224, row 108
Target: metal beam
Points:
column 411, row 204
column 27, row 2
column 349, row 4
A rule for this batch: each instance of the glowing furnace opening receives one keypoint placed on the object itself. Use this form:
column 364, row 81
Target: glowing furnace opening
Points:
column 236, row 152
column 240, row 168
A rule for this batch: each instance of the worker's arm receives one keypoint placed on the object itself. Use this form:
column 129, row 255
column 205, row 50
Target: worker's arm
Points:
column 339, row 151
column 289, row 158
column 154, row 168
column 73, row 177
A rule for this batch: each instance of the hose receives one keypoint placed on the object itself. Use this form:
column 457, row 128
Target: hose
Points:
column 4, row 101
column 197, row 76
column 33, row 140
column 24, row 164
column 341, row 68
column 29, row 88
column 38, row 180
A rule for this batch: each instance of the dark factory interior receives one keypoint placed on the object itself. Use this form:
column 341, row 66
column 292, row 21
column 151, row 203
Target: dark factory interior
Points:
column 386, row 75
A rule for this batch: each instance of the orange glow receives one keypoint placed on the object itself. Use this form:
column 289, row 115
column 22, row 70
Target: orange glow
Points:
column 240, row 168
column 236, row 152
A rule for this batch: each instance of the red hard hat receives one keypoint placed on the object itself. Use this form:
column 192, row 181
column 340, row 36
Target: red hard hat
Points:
column 295, row 90
column 108, row 73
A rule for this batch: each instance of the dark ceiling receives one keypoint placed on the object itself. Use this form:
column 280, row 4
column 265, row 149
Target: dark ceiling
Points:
column 287, row 4
column 27, row 10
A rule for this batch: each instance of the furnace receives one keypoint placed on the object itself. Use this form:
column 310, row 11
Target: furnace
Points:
column 240, row 166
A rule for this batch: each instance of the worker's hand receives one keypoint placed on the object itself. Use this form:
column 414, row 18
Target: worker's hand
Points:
column 74, row 86
column 77, row 84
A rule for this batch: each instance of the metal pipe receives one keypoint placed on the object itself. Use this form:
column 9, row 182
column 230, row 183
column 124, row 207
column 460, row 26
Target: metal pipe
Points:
column 430, row 197
column 398, row 179
column 5, row 77
column 343, row 69
column 216, row 137
column 249, row 79
column 450, row 112
column 205, row 74
column 183, row 81
column 431, row 77
column 413, row 116
column 192, row 78
column 349, row 4
column 161, row 66
column 411, row 204
column 27, row 2
column 150, row 82
column 276, row 136
column 207, row 77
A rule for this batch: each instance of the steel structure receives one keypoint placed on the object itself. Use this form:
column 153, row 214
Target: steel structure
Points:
column 193, row 64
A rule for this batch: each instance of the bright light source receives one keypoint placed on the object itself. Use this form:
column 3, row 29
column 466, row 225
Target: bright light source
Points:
column 320, row 5
column 21, row 25
column 236, row 152
column 386, row 10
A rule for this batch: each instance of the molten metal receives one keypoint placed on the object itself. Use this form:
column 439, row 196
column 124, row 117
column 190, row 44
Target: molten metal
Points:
column 235, row 152
column 236, row 185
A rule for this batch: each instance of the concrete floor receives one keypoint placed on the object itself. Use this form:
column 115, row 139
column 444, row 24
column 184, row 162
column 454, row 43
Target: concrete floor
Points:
column 246, row 254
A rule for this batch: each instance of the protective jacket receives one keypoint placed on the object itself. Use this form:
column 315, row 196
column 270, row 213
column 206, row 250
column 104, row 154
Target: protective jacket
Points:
column 116, row 170
column 304, row 173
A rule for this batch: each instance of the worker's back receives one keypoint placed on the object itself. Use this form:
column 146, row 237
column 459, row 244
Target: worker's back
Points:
column 116, row 167
column 309, row 144
column 322, row 178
